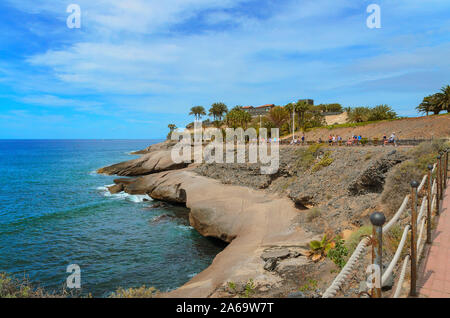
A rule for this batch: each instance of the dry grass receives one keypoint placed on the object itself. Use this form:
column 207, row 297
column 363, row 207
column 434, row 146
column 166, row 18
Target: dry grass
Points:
column 356, row 237
column 141, row 292
column 11, row 287
column 313, row 214
column 392, row 239
column 399, row 178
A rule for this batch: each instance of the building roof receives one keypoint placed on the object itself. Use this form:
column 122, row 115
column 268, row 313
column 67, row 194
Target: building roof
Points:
column 267, row 105
column 247, row 107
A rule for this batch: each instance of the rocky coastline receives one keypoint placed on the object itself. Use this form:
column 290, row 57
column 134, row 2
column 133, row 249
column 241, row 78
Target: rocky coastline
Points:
column 265, row 219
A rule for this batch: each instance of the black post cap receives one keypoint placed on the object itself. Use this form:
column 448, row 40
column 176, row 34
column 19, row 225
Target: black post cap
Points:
column 414, row 184
column 438, row 157
column 430, row 167
column 377, row 218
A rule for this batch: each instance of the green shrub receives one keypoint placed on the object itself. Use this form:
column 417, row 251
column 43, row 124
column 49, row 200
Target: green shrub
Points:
column 324, row 162
column 311, row 285
column 320, row 249
column 249, row 289
column 338, row 254
column 306, row 157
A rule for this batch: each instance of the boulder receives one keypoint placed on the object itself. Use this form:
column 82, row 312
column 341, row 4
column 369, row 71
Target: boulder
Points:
column 291, row 268
column 276, row 254
column 296, row 295
column 115, row 188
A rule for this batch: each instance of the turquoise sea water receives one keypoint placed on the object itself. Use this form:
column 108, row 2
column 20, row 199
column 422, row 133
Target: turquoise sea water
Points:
column 55, row 211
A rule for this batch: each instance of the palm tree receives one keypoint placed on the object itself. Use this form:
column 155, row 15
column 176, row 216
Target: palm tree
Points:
column 289, row 108
column 301, row 107
column 359, row 114
column 278, row 116
column 217, row 110
column 172, row 127
column 444, row 98
column 198, row 112
column 237, row 117
column 382, row 112
column 427, row 105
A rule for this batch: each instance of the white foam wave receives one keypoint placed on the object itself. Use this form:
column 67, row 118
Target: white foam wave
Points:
column 135, row 198
column 185, row 227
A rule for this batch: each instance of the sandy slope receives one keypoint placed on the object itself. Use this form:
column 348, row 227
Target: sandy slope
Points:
column 409, row 128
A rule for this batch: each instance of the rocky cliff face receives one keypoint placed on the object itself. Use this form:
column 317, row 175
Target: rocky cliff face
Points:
column 343, row 191
column 261, row 215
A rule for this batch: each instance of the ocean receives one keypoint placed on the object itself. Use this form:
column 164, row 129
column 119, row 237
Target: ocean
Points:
column 55, row 211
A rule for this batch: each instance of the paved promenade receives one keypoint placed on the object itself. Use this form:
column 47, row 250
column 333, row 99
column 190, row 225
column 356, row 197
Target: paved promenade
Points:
column 434, row 273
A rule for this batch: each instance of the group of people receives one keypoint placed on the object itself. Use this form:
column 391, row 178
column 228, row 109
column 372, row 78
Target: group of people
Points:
column 351, row 141
column 296, row 141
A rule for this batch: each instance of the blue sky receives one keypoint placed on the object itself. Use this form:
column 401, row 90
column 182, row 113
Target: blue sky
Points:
column 135, row 66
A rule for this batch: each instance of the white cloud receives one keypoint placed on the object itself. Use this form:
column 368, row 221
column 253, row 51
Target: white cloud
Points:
column 130, row 51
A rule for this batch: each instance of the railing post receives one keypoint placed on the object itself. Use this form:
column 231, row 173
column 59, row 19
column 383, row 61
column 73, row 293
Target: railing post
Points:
column 414, row 185
column 377, row 219
column 445, row 168
column 441, row 177
column 429, row 201
column 438, row 183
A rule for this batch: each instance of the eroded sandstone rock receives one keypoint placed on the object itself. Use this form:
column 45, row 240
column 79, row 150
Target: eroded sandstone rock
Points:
column 153, row 162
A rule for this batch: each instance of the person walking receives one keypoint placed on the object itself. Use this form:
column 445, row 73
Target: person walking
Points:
column 393, row 139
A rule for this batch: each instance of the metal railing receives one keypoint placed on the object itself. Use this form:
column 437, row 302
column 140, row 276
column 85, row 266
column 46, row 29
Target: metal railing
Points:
column 421, row 219
column 363, row 142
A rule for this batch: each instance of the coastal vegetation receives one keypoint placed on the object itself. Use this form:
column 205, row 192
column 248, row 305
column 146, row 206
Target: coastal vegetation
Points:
column 338, row 254
column 11, row 287
column 320, row 249
column 367, row 114
column 436, row 103
column 198, row 112
column 140, row 292
column 237, row 117
column 218, row 110
column 302, row 116
column 14, row 288
column 398, row 180
column 325, row 161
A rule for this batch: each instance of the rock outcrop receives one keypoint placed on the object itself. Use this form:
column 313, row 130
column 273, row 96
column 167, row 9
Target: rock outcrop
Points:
column 166, row 145
column 269, row 230
column 251, row 221
column 153, row 162
column 372, row 178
